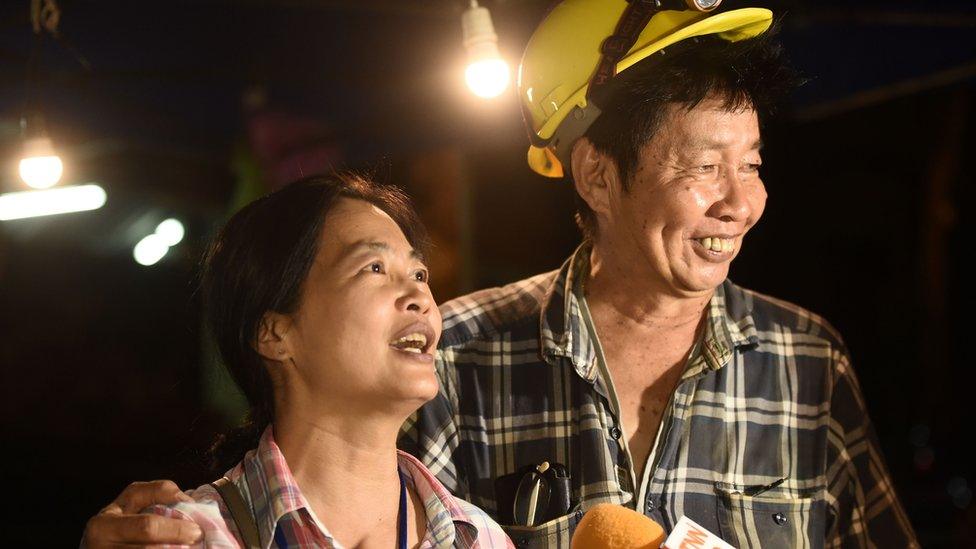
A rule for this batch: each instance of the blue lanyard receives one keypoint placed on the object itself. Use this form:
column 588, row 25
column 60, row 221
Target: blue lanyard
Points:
column 402, row 515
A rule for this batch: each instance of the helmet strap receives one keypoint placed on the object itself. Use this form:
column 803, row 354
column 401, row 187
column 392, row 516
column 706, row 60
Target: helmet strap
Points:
column 614, row 47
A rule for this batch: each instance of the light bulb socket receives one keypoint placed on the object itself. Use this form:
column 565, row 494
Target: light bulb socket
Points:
column 33, row 125
column 38, row 147
column 478, row 34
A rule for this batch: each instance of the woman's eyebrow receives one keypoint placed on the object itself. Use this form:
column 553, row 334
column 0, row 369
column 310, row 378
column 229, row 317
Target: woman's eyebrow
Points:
column 374, row 246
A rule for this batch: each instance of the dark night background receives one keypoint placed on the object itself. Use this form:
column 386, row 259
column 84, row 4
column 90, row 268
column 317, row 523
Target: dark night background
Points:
column 191, row 107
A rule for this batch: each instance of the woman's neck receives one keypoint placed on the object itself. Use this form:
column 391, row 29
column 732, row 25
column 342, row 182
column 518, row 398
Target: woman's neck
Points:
column 346, row 468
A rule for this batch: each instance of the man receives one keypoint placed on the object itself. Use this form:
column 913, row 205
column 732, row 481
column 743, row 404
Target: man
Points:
column 637, row 374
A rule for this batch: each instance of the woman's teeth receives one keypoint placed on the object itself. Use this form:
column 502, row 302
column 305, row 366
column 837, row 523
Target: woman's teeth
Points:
column 411, row 343
column 717, row 244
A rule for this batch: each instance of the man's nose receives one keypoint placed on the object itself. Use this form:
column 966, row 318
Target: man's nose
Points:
column 734, row 203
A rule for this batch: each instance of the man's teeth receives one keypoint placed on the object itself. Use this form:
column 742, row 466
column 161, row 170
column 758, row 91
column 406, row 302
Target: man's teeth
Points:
column 717, row 244
column 412, row 343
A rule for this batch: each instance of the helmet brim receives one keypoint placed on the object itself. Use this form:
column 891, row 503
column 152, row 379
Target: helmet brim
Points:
column 734, row 25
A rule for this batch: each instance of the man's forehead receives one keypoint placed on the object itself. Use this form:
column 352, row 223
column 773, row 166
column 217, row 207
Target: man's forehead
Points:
column 712, row 142
column 713, row 128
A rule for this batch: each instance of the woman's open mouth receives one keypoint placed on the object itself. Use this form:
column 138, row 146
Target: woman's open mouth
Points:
column 415, row 342
column 417, row 339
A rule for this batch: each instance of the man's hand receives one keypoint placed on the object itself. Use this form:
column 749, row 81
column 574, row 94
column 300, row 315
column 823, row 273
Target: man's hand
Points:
column 120, row 524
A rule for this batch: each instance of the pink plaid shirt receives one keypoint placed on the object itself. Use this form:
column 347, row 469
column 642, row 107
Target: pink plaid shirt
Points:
column 284, row 517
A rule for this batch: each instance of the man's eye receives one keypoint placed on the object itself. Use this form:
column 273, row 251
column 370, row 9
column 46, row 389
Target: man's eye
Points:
column 707, row 168
column 751, row 167
column 422, row 275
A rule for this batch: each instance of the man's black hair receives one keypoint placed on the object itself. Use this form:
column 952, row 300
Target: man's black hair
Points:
column 752, row 73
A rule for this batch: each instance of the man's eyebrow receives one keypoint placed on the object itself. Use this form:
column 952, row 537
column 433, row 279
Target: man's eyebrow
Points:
column 707, row 144
column 374, row 246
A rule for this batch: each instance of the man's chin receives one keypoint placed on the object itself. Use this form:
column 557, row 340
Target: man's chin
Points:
column 705, row 280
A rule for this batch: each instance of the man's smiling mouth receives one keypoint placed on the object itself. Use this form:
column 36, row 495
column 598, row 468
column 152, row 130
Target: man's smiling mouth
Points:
column 717, row 244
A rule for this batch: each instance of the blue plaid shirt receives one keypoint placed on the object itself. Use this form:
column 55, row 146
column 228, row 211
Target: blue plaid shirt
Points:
column 766, row 441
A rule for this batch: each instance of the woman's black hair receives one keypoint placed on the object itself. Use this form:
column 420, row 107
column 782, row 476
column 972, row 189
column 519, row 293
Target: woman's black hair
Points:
column 258, row 263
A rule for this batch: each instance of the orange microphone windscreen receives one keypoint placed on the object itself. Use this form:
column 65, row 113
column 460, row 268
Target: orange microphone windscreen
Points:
column 607, row 526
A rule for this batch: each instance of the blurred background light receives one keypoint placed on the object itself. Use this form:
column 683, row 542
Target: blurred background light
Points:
column 40, row 167
column 77, row 198
column 487, row 74
column 171, row 231
column 150, row 250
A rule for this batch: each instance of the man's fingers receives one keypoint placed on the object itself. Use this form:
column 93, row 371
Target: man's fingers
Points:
column 140, row 495
column 106, row 530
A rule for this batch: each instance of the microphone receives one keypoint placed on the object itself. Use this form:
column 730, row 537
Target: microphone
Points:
column 608, row 526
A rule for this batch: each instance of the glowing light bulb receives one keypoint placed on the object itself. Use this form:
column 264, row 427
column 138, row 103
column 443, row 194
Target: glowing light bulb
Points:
column 487, row 78
column 40, row 168
column 487, row 74
column 171, row 231
column 150, row 250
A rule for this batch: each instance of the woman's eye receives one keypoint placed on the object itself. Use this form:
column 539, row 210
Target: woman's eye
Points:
column 707, row 168
column 376, row 268
column 422, row 275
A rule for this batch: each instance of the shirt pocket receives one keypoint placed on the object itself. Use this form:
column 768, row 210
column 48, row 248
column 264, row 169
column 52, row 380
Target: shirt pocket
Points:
column 555, row 533
column 770, row 521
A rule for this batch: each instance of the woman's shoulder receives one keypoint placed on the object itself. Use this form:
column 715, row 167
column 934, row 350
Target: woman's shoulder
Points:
column 207, row 510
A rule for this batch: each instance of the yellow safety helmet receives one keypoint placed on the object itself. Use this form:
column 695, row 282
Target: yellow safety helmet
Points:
column 564, row 53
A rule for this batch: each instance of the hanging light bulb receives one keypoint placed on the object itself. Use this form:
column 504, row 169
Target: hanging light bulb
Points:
column 40, row 167
column 487, row 73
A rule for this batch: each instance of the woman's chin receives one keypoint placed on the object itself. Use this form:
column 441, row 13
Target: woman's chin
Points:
column 417, row 387
column 428, row 388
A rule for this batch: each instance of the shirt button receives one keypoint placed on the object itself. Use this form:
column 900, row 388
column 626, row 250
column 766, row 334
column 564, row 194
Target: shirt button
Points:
column 651, row 505
column 522, row 542
column 780, row 519
column 615, row 432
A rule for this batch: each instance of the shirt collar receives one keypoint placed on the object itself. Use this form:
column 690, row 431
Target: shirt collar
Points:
column 729, row 324
column 273, row 492
column 561, row 328
column 448, row 525
column 272, row 489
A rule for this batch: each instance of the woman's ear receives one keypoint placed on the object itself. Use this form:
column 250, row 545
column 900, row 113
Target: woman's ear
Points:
column 595, row 176
column 273, row 342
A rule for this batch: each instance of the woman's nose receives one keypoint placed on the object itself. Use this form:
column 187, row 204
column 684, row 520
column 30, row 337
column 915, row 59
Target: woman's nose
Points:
column 416, row 298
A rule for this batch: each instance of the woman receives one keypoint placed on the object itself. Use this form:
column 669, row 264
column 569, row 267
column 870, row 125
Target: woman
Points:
column 317, row 297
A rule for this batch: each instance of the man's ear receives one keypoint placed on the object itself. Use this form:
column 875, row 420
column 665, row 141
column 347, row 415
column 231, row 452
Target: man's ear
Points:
column 272, row 342
column 595, row 176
